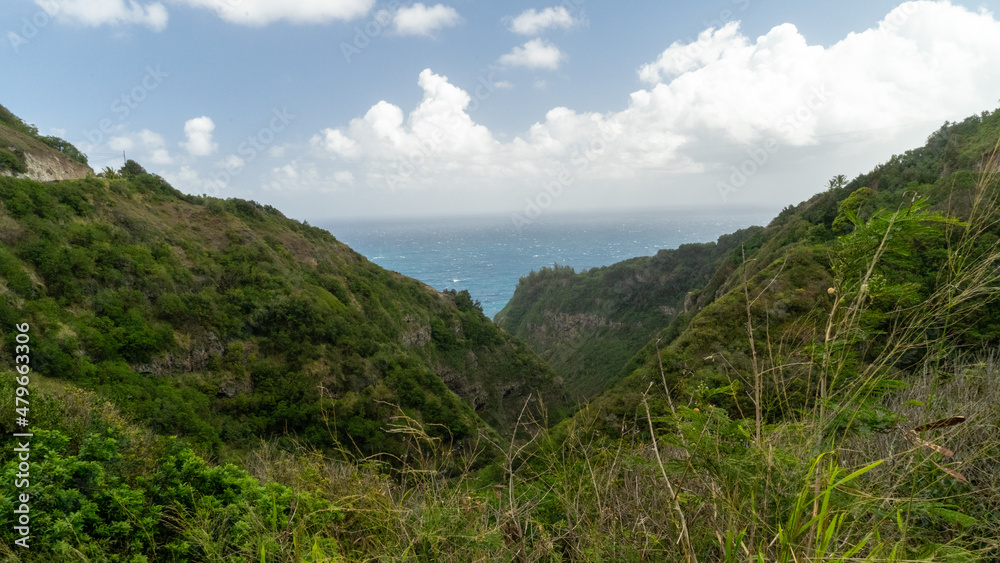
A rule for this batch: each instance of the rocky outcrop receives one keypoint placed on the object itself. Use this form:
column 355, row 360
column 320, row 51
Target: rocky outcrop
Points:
column 232, row 387
column 565, row 327
column 690, row 300
column 416, row 334
column 36, row 160
column 195, row 359
column 49, row 168
column 472, row 392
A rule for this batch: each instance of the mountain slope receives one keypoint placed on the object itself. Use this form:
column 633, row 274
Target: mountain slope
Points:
column 793, row 274
column 851, row 345
column 26, row 154
column 587, row 325
column 224, row 320
column 590, row 325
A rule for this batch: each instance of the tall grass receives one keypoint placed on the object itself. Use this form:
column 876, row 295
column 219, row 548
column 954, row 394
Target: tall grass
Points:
column 892, row 457
column 890, row 460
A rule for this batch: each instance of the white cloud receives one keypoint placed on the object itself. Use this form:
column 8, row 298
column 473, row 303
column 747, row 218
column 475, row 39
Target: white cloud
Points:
column 925, row 60
column 711, row 45
column 305, row 176
column 334, row 141
column 532, row 22
column 120, row 143
column 343, row 177
column 439, row 124
column 107, row 12
column 536, row 53
column 160, row 156
column 144, row 147
column 231, row 162
column 155, row 146
column 706, row 105
column 191, row 181
column 264, row 12
column 385, row 143
column 199, row 136
column 419, row 19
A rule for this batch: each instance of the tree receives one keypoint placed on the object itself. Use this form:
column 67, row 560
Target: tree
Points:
column 132, row 168
column 837, row 182
column 109, row 173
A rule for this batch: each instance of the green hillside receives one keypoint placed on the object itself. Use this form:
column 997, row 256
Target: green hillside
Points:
column 24, row 151
column 224, row 321
column 788, row 269
column 587, row 325
column 830, row 393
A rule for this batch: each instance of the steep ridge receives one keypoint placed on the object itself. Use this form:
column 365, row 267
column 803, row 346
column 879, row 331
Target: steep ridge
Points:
column 223, row 321
column 24, row 153
column 851, row 345
column 588, row 324
column 789, row 272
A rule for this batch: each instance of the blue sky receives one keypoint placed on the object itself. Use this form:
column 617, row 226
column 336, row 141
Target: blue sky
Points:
column 366, row 108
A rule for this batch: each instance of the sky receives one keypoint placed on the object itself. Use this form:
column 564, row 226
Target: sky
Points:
column 337, row 109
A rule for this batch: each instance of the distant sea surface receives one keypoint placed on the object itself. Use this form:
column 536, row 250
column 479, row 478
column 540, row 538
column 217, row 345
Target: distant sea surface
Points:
column 487, row 255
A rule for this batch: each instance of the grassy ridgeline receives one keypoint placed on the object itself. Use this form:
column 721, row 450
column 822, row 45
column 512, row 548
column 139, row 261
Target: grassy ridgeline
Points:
column 877, row 468
column 854, row 424
column 588, row 325
column 223, row 321
column 109, row 490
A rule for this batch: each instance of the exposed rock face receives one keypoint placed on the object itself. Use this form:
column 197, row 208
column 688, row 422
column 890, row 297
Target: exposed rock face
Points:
column 989, row 165
column 185, row 361
column 689, row 301
column 473, row 392
column 233, row 387
column 46, row 168
column 566, row 325
column 417, row 334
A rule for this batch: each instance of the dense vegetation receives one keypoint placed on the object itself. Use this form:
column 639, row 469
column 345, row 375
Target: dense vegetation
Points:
column 588, row 325
column 222, row 321
column 12, row 160
column 838, row 333
column 830, row 394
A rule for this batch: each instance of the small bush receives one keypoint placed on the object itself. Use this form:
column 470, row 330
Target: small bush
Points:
column 10, row 161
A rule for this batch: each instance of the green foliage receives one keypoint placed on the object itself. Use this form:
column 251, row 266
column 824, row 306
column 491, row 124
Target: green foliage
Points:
column 805, row 400
column 132, row 168
column 851, row 211
column 588, row 325
column 106, row 491
column 12, row 162
column 64, row 147
column 10, row 120
column 145, row 294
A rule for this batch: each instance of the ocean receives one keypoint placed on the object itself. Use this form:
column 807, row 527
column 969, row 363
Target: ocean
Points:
column 487, row 255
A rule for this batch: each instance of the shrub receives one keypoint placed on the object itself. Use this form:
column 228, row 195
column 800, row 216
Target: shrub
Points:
column 12, row 162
